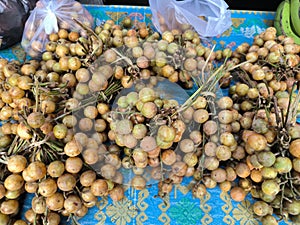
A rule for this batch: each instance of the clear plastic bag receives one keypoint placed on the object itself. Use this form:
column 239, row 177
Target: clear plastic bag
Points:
column 209, row 18
column 50, row 16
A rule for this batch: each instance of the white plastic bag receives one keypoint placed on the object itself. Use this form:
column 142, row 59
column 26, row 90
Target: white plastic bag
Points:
column 48, row 17
column 208, row 17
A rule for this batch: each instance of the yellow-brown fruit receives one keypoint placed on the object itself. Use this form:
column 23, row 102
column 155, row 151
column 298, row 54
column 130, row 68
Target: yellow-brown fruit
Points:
column 295, row 148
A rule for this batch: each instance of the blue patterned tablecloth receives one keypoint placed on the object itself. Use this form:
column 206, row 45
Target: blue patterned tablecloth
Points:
column 180, row 208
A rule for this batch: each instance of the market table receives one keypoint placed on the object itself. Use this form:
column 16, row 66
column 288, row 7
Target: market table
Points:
column 179, row 208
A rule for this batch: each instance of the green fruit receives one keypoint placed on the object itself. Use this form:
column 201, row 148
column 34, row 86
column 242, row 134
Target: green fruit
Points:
column 277, row 19
column 285, row 22
column 147, row 95
column 283, row 165
column 293, row 207
column 172, row 48
column 270, row 187
column 171, row 103
column 162, row 45
column 159, row 102
column 294, row 131
column 276, row 203
column 267, row 198
column 269, row 172
column 4, row 219
column 122, row 102
column 281, row 94
column 295, row 7
column 260, row 126
column 5, row 141
column 266, row 158
column 132, row 98
column 269, row 220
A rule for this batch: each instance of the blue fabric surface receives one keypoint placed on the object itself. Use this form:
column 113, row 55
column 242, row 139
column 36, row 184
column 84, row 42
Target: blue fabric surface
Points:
column 142, row 207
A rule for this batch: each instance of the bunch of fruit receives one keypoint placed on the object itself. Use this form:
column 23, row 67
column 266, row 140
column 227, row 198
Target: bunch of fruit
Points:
column 98, row 111
column 59, row 138
column 259, row 144
column 160, row 137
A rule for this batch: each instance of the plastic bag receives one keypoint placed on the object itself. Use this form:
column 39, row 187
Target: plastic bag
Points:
column 14, row 13
column 208, row 17
column 50, row 16
column 165, row 90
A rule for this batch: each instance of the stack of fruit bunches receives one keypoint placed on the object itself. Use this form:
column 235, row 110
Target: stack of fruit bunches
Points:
column 70, row 133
